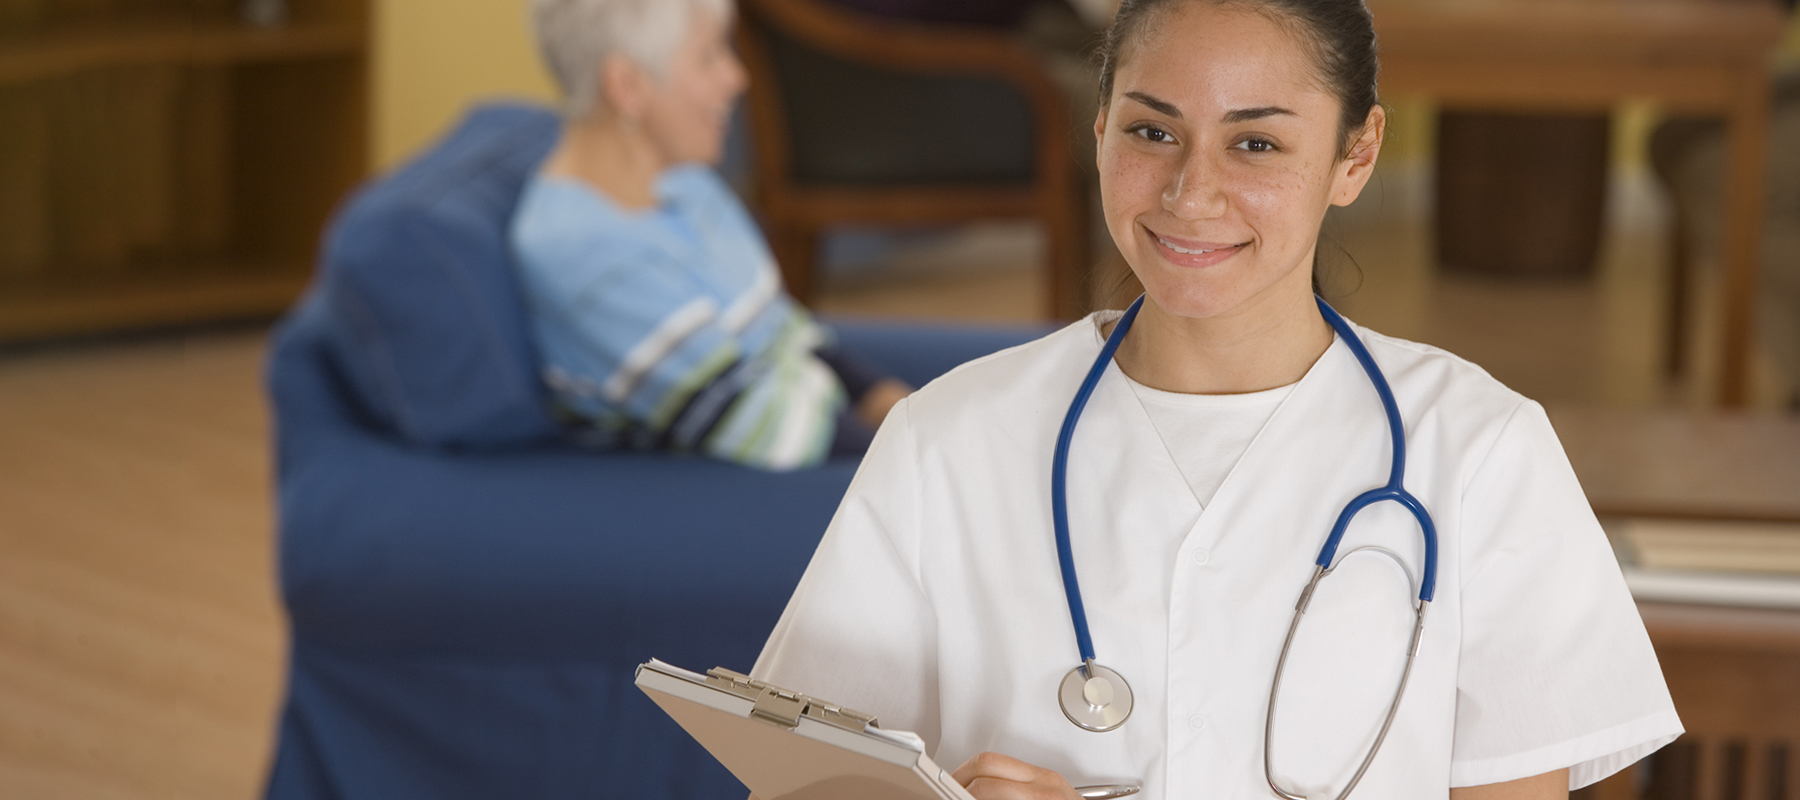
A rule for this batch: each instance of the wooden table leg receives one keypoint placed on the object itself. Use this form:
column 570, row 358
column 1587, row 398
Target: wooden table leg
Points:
column 1754, row 776
column 1745, row 175
column 1680, row 283
column 1709, row 769
column 796, row 247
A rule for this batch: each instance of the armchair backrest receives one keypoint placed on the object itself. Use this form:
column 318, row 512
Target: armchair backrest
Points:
column 420, row 303
column 847, row 99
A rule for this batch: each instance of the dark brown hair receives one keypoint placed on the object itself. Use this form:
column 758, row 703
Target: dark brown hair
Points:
column 1341, row 35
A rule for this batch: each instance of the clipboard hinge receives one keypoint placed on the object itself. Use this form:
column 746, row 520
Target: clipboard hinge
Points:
column 784, row 708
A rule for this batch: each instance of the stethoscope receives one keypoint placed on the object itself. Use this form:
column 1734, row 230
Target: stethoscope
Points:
column 1097, row 698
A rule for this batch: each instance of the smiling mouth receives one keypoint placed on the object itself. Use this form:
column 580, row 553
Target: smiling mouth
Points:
column 1190, row 251
column 1184, row 251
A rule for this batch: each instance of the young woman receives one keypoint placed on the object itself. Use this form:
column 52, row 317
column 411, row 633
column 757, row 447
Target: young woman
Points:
column 658, row 311
column 1231, row 424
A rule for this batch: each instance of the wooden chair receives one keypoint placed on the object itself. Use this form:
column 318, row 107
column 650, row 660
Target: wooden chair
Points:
column 860, row 120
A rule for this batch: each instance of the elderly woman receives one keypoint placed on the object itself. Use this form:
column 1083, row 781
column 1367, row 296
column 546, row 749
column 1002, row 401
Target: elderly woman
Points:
column 658, row 311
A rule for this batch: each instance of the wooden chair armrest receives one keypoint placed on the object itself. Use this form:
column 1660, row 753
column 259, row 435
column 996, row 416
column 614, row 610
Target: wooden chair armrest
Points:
column 910, row 47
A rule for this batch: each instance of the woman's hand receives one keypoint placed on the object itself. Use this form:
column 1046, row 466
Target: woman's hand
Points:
column 991, row 776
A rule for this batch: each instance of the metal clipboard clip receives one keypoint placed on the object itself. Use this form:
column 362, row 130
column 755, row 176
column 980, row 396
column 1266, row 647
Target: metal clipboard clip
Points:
column 784, row 708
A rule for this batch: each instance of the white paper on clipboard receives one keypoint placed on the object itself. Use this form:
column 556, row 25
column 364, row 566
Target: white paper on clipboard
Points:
column 786, row 746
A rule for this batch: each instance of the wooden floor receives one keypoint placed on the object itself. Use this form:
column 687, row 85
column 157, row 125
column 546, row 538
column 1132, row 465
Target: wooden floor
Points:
column 140, row 641
column 140, row 638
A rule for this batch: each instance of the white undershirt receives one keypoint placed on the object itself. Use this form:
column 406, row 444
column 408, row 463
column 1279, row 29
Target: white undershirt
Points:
column 1206, row 434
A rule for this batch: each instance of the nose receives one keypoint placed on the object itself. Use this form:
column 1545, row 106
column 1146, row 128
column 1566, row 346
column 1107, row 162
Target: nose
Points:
column 1194, row 191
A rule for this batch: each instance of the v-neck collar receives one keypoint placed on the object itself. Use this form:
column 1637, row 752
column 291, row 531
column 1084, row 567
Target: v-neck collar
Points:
column 1144, row 439
column 1285, row 414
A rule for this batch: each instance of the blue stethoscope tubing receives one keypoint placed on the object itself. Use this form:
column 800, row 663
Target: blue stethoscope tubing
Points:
column 1394, row 491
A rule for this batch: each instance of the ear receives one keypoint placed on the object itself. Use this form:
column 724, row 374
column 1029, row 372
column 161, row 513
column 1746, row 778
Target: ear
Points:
column 1099, row 132
column 625, row 87
column 1353, row 172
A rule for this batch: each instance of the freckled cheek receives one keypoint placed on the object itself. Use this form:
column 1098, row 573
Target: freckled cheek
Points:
column 1129, row 184
column 1272, row 208
column 1259, row 208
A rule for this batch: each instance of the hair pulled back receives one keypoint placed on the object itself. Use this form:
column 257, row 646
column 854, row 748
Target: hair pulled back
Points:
column 1341, row 36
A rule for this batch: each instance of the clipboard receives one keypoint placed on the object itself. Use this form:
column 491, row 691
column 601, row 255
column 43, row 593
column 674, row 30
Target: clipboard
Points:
column 787, row 746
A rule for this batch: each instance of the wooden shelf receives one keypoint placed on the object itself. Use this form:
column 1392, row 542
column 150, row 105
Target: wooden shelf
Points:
column 45, row 310
column 51, row 53
column 163, row 163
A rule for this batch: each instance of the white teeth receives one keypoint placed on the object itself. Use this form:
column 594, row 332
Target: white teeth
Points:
column 1183, row 250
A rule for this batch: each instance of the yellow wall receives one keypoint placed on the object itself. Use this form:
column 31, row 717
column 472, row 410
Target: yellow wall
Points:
column 434, row 57
column 1789, row 51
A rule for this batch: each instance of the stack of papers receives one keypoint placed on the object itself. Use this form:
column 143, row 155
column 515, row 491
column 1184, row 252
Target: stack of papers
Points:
column 1708, row 562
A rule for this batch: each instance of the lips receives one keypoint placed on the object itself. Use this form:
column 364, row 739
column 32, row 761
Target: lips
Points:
column 1193, row 252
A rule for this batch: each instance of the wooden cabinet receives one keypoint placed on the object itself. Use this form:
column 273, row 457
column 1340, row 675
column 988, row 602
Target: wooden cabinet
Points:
column 163, row 162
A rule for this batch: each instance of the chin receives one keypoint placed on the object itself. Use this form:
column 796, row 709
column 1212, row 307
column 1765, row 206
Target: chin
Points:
column 709, row 156
column 1193, row 302
column 1182, row 292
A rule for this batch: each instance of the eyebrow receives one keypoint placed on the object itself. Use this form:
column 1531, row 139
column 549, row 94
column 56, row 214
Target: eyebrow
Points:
column 1248, row 114
column 1162, row 107
column 1168, row 109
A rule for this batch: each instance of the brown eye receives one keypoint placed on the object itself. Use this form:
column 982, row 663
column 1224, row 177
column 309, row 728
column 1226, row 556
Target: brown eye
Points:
column 1255, row 145
column 1151, row 133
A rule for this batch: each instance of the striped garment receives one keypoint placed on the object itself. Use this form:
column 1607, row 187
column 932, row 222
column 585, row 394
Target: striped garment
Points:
column 668, row 328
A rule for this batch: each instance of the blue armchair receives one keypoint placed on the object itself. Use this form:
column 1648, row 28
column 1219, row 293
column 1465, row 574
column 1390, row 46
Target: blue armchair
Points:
column 470, row 593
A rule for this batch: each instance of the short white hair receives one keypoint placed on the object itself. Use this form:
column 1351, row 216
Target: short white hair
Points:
column 576, row 36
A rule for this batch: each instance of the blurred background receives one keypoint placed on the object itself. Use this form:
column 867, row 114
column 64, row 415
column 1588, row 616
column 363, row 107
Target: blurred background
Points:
column 1596, row 200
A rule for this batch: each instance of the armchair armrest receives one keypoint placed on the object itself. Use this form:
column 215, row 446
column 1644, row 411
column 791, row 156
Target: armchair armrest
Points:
column 918, row 354
column 611, row 557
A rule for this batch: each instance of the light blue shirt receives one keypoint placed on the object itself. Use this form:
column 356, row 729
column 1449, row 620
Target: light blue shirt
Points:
column 669, row 327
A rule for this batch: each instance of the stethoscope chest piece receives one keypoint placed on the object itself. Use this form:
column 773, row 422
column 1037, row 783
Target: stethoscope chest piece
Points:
column 1095, row 698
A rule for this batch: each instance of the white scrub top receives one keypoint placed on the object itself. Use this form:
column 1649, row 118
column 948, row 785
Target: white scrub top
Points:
column 935, row 601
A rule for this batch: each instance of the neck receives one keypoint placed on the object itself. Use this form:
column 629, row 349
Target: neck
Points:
column 1268, row 341
column 612, row 156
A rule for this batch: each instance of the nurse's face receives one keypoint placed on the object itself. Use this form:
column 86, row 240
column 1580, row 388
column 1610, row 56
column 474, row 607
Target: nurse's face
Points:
column 1219, row 153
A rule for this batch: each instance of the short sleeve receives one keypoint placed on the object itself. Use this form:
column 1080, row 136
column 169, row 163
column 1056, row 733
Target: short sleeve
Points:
column 1555, row 667
column 859, row 630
